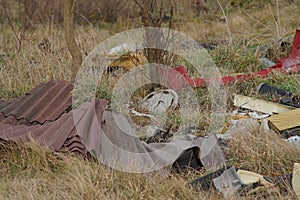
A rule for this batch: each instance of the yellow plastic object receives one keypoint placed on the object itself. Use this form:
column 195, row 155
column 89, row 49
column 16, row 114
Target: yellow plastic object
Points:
column 238, row 117
column 129, row 61
column 296, row 179
column 250, row 177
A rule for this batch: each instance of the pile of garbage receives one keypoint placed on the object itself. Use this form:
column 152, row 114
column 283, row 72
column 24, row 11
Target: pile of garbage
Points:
column 46, row 115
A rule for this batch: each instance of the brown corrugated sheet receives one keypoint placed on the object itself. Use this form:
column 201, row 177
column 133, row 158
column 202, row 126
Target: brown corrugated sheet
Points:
column 59, row 135
column 47, row 102
column 41, row 115
column 44, row 115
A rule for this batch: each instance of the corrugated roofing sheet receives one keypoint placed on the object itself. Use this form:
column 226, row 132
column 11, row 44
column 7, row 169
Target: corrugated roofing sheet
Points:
column 59, row 135
column 47, row 102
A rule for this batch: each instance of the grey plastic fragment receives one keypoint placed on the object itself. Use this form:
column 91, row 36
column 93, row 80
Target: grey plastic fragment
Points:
column 266, row 62
column 228, row 183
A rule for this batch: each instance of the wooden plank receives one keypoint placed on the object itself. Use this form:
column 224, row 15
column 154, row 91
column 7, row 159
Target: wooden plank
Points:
column 285, row 121
column 259, row 105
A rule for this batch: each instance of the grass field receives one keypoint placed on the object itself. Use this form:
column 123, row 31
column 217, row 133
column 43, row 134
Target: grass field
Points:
column 29, row 172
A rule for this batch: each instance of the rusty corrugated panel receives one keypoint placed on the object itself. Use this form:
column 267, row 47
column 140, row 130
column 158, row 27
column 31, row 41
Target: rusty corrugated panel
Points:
column 52, row 135
column 12, row 120
column 47, row 102
column 74, row 144
column 59, row 135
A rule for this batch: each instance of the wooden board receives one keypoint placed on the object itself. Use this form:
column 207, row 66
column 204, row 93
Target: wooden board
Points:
column 285, row 121
column 259, row 105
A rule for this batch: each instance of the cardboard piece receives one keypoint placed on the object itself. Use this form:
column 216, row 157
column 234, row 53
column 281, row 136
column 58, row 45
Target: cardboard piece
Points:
column 285, row 121
column 259, row 105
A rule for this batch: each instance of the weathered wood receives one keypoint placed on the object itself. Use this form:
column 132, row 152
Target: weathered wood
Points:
column 285, row 121
column 296, row 179
column 69, row 27
column 259, row 105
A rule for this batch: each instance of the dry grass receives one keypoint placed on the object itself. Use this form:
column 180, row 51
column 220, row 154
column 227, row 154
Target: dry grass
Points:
column 263, row 152
column 29, row 172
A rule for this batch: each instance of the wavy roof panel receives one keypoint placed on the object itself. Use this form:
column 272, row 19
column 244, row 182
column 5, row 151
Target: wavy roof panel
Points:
column 47, row 102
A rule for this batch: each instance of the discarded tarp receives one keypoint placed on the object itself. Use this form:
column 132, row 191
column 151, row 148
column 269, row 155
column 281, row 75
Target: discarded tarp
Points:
column 110, row 138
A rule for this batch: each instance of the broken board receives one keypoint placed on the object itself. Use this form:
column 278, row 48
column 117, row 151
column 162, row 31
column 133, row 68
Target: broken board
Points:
column 296, row 179
column 259, row 105
column 285, row 121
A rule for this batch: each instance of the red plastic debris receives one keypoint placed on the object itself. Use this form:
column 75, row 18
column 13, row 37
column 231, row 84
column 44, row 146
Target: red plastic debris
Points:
column 177, row 77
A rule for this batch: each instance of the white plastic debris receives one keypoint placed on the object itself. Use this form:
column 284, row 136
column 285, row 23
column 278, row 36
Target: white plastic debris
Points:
column 158, row 102
column 124, row 48
column 151, row 130
column 295, row 140
column 255, row 115
column 138, row 114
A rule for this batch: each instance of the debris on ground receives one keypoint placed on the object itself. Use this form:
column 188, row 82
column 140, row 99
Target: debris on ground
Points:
column 290, row 64
column 232, row 181
column 265, row 89
column 294, row 140
column 286, row 120
column 238, row 127
column 228, row 182
column 259, row 105
column 158, row 102
column 45, row 114
column 266, row 62
column 296, row 179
